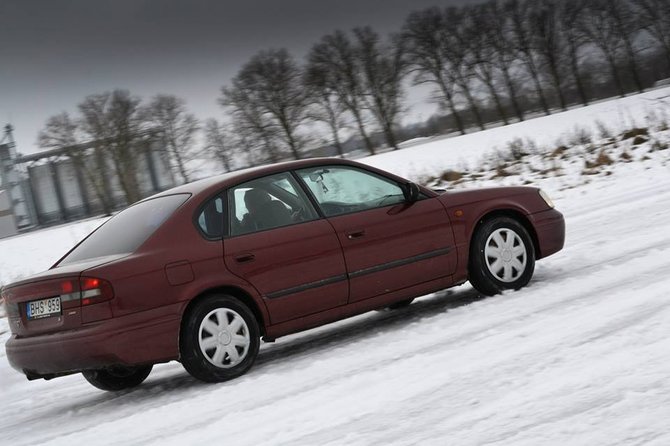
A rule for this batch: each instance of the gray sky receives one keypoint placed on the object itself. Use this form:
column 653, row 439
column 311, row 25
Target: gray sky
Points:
column 55, row 52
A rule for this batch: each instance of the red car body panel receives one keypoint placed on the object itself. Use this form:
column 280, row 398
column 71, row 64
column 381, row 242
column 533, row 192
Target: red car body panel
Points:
column 286, row 259
column 294, row 277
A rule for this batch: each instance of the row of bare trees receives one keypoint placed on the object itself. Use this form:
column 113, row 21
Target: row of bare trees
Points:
column 347, row 80
column 492, row 61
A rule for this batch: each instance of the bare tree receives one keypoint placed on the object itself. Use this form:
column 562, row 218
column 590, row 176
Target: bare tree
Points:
column 114, row 123
column 520, row 19
column 569, row 13
column 457, row 51
column 423, row 34
column 604, row 24
column 177, row 128
column 217, row 144
column 325, row 105
column 654, row 17
column 549, row 43
column 495, row 26
column 482, row 55
column 335, row 56
column 383, row 69
column 257, row 133
column 624, row 22
column 271, row 83
column 62, row 132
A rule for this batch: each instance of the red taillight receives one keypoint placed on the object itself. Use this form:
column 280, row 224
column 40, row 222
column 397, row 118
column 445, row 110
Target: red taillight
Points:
column 67, row 287
column 94, row 290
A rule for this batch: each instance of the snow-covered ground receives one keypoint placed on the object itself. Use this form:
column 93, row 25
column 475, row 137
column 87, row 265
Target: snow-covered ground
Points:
column 581, row 356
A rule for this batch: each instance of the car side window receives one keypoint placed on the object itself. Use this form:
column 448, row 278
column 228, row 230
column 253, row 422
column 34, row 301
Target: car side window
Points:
column 268, row 202
column 210, row 220
column 343, row 189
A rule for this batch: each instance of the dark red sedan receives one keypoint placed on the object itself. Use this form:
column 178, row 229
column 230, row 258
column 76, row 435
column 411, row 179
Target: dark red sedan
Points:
column 201, row 272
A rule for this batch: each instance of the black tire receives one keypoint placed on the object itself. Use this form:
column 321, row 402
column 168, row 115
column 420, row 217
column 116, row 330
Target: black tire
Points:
column 401, row 304
column 192, row 356
column 480, row 275
column 115, row 379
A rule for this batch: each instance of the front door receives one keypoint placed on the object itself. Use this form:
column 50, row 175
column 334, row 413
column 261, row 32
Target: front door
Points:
column 278, row 244
column 388, row 243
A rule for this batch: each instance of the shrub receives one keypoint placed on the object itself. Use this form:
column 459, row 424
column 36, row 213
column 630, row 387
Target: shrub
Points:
column 635, row 132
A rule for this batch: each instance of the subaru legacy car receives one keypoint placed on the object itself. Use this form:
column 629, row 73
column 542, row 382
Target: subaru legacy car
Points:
column 200, row 273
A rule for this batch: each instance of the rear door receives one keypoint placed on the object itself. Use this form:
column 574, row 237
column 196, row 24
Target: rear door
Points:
column 388, row 243
column 278, row 243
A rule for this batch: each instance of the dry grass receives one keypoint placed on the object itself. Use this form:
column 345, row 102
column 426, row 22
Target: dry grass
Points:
column 451, row 176
column 632, row 133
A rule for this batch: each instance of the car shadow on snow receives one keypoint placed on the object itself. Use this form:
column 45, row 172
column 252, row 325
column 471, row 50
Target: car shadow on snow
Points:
column 172, row 385
column 373, row 323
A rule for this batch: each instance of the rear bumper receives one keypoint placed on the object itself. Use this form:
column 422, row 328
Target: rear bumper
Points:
column 140, row 338
column 550, row 229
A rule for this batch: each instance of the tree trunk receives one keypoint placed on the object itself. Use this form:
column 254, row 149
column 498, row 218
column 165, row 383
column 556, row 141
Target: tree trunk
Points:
column 293, row 145
column 556, row 78
column 361, row 130
column 615, row 75
column 334, row 129
column 103, row 190
column 180, row 163
column 473, row 107
column 450, row 104
column 336, row 141
column 269, row 148
column 390, row 136
column 574, row 66
column 632, row 64
column 512, row 93
column 539, row 91
column 496, row 99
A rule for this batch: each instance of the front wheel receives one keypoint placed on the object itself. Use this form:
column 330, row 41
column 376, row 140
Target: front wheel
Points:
column 114, row 379
column 220, row 339
column 502, row 256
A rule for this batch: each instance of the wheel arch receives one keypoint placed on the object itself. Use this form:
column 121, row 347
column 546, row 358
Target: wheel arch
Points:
column 237, row 293
column 510, row 213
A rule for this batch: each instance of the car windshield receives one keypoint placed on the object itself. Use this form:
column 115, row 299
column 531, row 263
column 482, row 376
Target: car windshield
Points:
column 126, row 231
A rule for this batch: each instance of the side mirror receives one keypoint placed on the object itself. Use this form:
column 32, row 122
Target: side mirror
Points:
column 411, row 192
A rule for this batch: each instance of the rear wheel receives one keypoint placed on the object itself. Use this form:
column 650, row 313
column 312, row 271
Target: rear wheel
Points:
column 114, row 379
column 220, row 339
column 502, row 256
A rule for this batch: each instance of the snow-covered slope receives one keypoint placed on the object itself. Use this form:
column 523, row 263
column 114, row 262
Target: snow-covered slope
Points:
column 581, row 356
column 431, row 158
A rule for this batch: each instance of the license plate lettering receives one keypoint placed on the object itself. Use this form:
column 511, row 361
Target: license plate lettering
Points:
column 43, row 308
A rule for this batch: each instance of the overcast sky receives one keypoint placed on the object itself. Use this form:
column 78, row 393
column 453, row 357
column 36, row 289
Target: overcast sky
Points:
column 53, row 52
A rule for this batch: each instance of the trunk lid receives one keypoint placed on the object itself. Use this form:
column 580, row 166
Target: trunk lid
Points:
column 49, row 301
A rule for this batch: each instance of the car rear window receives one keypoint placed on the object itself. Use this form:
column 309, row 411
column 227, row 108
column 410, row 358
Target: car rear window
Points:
column 127, row 230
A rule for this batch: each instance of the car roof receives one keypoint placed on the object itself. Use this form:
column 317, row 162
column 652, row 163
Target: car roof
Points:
column 213, row 184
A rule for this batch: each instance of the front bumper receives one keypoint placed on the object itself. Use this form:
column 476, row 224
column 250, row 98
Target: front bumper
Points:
column 140, row 338
column 550, row 230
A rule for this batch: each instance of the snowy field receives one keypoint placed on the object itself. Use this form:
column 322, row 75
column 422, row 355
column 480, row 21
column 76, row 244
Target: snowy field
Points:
column 580, row 357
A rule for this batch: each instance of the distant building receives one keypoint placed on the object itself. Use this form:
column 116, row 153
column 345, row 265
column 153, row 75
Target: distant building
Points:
column 7, row 224
column 47, row 187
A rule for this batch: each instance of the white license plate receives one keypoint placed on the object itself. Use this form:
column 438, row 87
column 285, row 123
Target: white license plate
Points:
column 43, row 308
